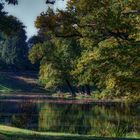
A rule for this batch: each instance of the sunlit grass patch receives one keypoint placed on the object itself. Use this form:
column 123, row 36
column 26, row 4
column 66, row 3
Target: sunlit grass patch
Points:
column 17, row 133
column 4, row 89
column 12, row 133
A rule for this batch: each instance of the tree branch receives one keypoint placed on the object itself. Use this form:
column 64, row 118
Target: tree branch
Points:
column 132, row 12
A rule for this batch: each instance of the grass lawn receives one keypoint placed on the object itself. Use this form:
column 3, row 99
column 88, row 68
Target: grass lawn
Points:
column 18, row 82
column 12, row 133
column 4, row 89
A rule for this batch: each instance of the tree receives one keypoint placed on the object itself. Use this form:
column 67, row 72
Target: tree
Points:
column 110, row 39
column 107, row 32
column 56, row 61
column 34, row 40
column 7, row 24
column 14, row 49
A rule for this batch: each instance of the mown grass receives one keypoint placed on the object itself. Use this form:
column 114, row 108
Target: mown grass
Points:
column 8, row 84
column 5, row 84
column 13, row 82
column 12, row 133
column 4, row 89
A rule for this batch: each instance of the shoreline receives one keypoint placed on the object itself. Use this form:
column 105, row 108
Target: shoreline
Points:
column 42, row 98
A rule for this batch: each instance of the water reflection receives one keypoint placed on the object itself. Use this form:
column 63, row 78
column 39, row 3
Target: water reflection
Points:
column 71, row 118
column 22, row 115
column 89, row 119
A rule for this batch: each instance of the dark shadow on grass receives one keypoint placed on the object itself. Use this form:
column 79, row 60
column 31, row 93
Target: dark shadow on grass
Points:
column 19, row 82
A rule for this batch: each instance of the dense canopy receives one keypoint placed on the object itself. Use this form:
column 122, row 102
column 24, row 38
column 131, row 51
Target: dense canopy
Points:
column 105, row 39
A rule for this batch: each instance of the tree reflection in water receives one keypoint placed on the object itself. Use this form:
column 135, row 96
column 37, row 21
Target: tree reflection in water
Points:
column 88, row 119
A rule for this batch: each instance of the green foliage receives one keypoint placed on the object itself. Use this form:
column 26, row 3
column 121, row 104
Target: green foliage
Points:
column 56, row 60
column 107, row 33
column 13, row 48
column 110, row 59
column 8, row 24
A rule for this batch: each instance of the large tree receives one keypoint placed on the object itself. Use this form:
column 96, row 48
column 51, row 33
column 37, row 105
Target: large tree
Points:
column 108, row 34
column 56, row 58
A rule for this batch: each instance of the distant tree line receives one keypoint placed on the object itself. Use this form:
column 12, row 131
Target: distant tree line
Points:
column 13, row 45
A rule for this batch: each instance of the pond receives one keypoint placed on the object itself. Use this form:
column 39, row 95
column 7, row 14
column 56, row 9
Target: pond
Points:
column 87, row 119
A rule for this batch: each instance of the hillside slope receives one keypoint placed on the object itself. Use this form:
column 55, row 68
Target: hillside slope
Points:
column 19, row 82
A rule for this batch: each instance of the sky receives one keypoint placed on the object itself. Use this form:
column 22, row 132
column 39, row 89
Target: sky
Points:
column 27, row 11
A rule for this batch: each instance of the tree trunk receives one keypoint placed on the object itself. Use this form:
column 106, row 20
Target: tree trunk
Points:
column 83, row 89
column 71, row 89
column 88, row 89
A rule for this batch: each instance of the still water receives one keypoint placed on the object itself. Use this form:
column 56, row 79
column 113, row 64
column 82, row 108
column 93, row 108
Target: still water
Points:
column 88, row 119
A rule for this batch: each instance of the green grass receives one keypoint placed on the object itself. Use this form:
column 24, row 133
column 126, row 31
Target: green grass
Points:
column 12, row 133
column 5, row 84
column 12, row 82
column 4, row 89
